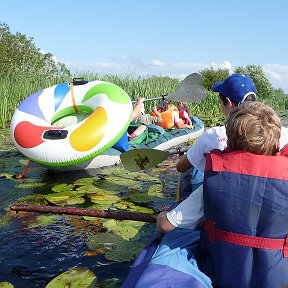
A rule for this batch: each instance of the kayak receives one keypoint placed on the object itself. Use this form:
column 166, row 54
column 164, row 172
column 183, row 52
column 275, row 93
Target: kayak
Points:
column 83, row 125
column 155, row 138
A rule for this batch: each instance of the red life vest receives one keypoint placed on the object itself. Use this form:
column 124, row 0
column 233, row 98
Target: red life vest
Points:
column 182, row 116
column 244, row 240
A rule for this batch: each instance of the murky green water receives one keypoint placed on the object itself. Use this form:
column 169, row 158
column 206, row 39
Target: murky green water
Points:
column 35, row 248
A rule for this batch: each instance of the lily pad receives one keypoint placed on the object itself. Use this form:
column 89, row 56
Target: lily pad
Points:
column 6, row 285
column 123, row 229
column 29, row 185
column 140, row 198
column 66, row 197
column 75, row 278
column 124, row 251
column 85, row 189
column 155, row 190
column 63, row 187
column 44, row 220
column 104, row 189
column 111, row 283
column 84, row 181
column 103, row 199
column 6, row 176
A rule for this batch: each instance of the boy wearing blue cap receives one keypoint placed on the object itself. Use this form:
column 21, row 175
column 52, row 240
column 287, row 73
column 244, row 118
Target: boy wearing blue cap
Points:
column 235, row 90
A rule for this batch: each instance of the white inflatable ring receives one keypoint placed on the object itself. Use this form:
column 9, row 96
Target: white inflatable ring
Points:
column 33, row 134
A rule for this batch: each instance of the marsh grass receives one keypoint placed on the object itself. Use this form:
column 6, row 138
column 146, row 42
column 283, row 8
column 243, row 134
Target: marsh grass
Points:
column 15, row 87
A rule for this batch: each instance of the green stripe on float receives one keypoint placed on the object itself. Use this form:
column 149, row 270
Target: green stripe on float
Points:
column 114, row 93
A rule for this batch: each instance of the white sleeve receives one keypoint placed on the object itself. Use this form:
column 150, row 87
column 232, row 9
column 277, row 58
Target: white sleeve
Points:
column 185, row 114
column 213, row 138
column 176, row 118
column 189, row 212
column 283, row 137
column 195, row 154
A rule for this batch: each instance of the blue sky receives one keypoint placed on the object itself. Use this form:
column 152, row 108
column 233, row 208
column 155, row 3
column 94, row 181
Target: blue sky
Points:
column 157, row 37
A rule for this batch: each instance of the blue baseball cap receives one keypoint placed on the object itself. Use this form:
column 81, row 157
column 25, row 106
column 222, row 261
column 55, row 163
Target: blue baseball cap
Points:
column 236, row 87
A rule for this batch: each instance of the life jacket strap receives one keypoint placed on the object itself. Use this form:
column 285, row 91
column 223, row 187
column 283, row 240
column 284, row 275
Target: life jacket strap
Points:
column 215, row 234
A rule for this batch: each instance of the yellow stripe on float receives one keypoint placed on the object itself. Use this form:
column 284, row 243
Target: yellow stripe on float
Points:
column 90, row 133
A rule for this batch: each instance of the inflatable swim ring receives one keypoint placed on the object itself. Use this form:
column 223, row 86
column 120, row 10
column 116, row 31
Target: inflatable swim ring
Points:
column 33, row 133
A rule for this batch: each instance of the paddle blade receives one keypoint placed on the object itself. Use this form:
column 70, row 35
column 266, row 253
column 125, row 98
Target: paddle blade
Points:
column 189, row 90
column 192, row 79
column 141, row 159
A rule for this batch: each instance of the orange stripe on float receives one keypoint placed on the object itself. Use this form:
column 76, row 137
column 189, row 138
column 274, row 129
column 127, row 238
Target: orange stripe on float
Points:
column 90, row 133
column 73, row 97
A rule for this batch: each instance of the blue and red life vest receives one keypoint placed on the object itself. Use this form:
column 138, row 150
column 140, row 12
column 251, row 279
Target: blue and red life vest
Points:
column 244, row 240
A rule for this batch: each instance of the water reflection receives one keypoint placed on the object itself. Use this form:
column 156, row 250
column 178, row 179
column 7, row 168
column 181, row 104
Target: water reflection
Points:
column 31, row 256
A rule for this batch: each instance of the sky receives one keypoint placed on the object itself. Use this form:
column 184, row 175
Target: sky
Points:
column 157, row 37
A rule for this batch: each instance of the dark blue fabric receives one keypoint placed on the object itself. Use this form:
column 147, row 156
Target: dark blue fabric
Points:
column 190, row 180
column 169, row 264
column 122, row 144
column 249, row 205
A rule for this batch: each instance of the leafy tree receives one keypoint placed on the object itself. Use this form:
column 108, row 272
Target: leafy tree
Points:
column 256, row 72
column 210, row 76
column 19, row 54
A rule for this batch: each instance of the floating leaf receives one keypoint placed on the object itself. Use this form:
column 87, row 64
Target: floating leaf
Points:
column 122, row 228
column 6, row 285
column 136, row 208
column 111, row 283
column 140, row 198
column 75, row 278
column 44, row 220
column 124, row 251
column 62, row 187
column 87, row 189
column 24, row 161
column 62, row 198
column 103, row 241
column 84, row 181
column 137, row 176
column 121, row 205
column 9, row 176
column 101, row 190
column 35, row 199
column 103, row 199
column 75, row 200
column 4, row 221
column 29, row 185
column 155, row 190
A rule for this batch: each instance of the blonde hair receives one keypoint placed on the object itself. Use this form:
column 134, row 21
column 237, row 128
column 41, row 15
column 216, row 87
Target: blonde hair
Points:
column 253, row 127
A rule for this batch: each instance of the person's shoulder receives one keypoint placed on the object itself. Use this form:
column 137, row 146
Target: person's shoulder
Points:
column 284, row 131
column 214, row 131
column 283, row 137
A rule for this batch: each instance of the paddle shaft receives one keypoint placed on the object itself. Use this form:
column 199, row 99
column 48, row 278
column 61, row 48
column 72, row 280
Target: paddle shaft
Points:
column 189, row 90
column 152, row 99
column 111, row 214
column 178, row 150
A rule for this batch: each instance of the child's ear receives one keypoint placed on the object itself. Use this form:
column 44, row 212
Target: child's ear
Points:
column 229, row 102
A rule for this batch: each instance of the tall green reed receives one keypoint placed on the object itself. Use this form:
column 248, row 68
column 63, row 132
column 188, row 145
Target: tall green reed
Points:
column 15, row 87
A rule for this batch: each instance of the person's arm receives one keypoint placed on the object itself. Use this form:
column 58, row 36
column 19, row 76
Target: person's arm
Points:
column 180, row 125
column 138, row 107
column 177, row 121
column 163, row 224
column 187, row 213
column 156, row 112
column 183, row 164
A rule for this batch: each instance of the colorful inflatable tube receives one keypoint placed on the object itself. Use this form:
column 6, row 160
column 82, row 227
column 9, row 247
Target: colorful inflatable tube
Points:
column 32, row 131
